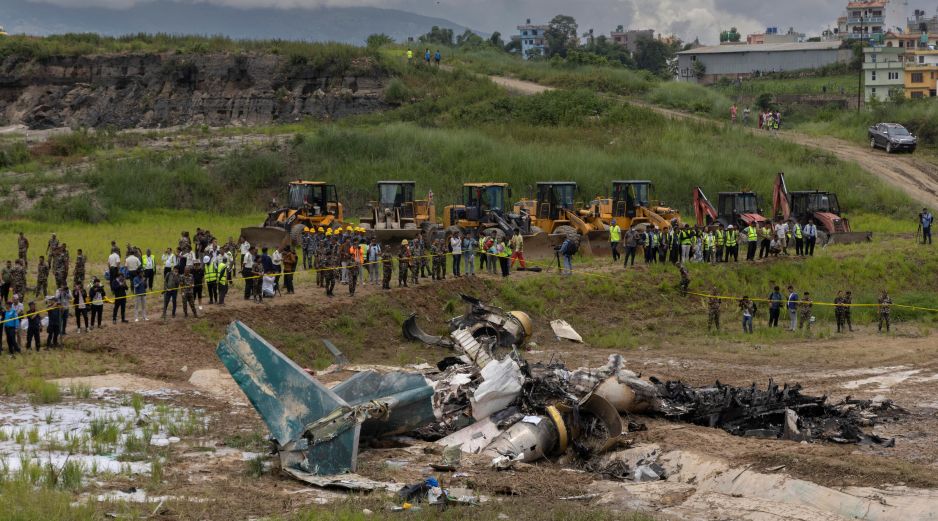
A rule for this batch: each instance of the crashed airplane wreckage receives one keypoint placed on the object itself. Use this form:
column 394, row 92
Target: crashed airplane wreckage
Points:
column 505, row 408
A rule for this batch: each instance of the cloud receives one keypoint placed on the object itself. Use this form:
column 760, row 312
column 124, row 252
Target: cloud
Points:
column 688, row 19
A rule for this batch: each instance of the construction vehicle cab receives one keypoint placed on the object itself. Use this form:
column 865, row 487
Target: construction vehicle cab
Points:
column 820, row 206
column 631, row 206
column 554, row 212
column 396, row 214
column 310, row 204
column 738, row 209
column 483, row 205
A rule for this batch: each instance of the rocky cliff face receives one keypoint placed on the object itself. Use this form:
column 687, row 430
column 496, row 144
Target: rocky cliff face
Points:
column 151, row 90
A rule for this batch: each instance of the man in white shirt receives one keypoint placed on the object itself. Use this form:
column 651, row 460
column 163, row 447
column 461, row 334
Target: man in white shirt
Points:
column 247, row 270
column 113, row 264
column 169, row 261
column 781, row 233
column 132, row 262
column 244, row 248
column 810, row 237
column 455, row 245
column 277, row 260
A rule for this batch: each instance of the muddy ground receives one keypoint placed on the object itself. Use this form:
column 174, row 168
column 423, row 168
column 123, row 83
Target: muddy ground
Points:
column 179, row 355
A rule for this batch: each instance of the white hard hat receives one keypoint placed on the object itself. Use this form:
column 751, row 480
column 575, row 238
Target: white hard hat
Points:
column 206, row 259
column 730, row 227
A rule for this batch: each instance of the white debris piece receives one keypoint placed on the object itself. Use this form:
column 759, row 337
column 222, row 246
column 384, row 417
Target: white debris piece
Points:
column 501, row 384
column 564, row 330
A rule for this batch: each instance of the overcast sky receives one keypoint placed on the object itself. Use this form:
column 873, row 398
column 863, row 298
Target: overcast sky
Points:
column 685, row 18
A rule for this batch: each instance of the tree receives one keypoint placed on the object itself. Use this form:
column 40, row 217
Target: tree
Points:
column 496, row 40
column 513, row 45
column 376, row 41
column 699, row 69
column 654, row 56
column 438, row 36
column 561, row 35
column 469, row 39
column 613, row 52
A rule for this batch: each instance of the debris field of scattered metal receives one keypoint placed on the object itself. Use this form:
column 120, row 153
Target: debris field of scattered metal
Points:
column 484, row 398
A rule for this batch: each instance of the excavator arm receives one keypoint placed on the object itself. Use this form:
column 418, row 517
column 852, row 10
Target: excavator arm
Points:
column 780, row 206
column 703, row 208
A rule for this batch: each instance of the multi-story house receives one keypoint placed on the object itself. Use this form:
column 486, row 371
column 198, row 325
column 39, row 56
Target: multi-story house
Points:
column 921, row 73
column 872, row 19
column 883, row 71
column 532, row 39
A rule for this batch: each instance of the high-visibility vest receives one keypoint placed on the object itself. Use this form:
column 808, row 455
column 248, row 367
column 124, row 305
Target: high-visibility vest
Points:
column 211, row 273
column 709, row 240
column 615, row 233
column 731, row 238
column 356, row 253
column 720, row 238
column 653, row 240
column 797, row 231
column 222, row 273
column 410, row 54
column 753, row 234
column 686, row 237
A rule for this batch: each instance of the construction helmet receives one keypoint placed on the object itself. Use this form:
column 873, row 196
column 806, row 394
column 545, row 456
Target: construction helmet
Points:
column 348, row 228
column 329, row 232
column 404, row 242
column 320, row 230
column 306, row 229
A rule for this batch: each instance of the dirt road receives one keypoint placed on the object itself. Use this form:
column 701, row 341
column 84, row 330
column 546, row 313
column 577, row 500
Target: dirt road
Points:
column 916, row 177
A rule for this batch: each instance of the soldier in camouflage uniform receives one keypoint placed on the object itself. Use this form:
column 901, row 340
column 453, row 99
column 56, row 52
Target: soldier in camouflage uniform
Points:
column 403, row 264
column 53, row 245
column 435, row 257
column 320, row 249
column 19, row 279
column 65, row 263
column 685, row 279
column 839, row 309
column 416, row 257
column 80, row 269
column 885, row 303
column 713, row 317
column 804, row 311
column 22, row 245
column 42, row 278
column 59, row 268
column 188, row 293
column 328, row 263
column 425, row 256
column 848, row 309
column 387, row 268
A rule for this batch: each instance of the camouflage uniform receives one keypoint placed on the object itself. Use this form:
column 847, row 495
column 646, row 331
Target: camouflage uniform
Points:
column 403, row 266
column 42, row 279
column 713, row 317
column 804, row 312
column 840, row 312
column 328, row 263
column 80, row 270
column 424, row 260
column 22, row 245
column 185, row 245
column 387, row 267
column 19, row 279
column 354, row 268
column 188, row 295
column 885, row 303
column 320, row 249
column 415, row 260
column 53, row 246
column 685, row 280
column 437, row 271
column 60, row 269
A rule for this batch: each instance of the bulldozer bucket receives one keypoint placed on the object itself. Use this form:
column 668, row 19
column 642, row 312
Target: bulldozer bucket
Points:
column 266, row 236
column 849, row 237
column 596, row 244
column 392, row 235
column 539, row 246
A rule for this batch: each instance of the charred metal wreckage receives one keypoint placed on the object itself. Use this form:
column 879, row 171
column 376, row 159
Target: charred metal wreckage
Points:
column 484, row 398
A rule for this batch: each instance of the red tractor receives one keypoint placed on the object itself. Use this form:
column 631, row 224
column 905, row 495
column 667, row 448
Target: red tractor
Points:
column 822, row 207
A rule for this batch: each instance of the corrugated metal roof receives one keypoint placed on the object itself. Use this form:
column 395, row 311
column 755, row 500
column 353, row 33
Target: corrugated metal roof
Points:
column 764, row 47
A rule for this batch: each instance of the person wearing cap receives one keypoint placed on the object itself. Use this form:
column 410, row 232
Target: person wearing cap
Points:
column 615, row 235
column 732, row 244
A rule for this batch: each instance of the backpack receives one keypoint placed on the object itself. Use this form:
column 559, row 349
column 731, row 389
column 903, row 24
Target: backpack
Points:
column 572, row 247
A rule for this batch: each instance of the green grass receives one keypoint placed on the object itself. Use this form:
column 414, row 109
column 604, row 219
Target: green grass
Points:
column 690, row 97
column 817, row 85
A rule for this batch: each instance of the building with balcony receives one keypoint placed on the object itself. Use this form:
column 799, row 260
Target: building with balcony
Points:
column 872, row 19
column 883, row 72
column 532, row 40
column 921, row 74
column 771, row 35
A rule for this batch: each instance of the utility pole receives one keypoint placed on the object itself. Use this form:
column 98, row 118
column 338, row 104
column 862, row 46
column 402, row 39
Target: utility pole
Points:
column 860, row 74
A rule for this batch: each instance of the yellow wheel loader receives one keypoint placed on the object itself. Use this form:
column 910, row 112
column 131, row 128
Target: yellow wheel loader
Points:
column 554, row 213
column 631, row 207
column 397, row 215
column 310, row 204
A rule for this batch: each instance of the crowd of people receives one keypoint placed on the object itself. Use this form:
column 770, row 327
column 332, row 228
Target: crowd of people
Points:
column 201, row 269
column 714, row 243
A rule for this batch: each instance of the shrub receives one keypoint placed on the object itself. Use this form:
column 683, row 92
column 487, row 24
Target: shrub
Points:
column 397, row 92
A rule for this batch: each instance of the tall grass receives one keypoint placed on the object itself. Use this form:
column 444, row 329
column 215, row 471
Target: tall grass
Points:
column 919, row 116
column 690, row 97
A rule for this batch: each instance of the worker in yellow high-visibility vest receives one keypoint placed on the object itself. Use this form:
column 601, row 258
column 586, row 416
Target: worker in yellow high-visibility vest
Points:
column 752, row 239
column 615, row 235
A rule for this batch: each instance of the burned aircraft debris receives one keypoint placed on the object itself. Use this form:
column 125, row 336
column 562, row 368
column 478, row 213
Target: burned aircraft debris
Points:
column 510, row 411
